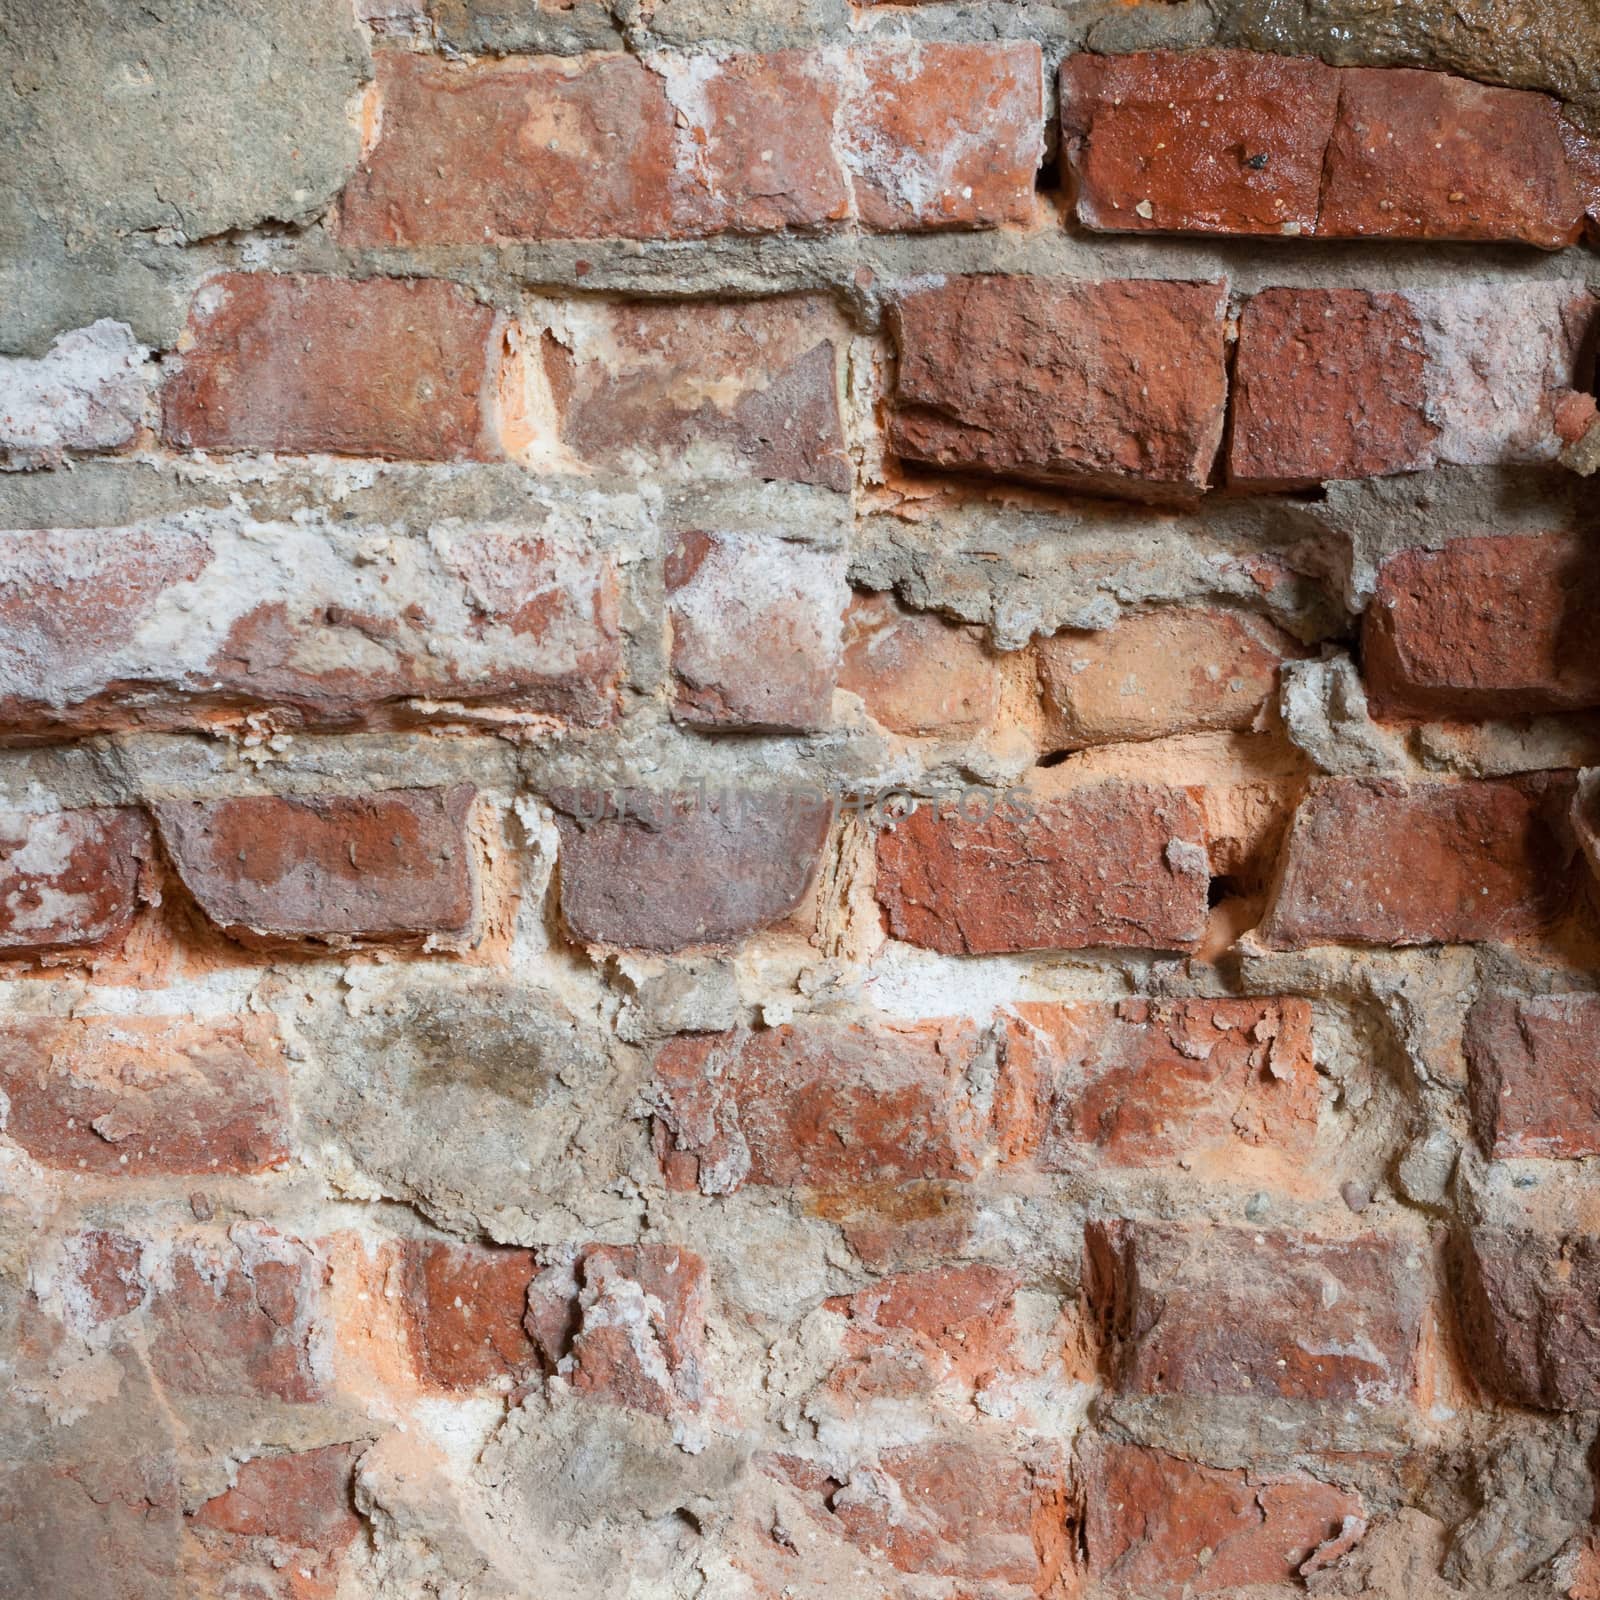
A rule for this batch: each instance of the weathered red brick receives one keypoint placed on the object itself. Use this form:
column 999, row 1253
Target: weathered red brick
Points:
column 227, row 1317
column 945, row 135
column 1155, row 673
column 756, row 624
column 748, row 388
column 595, row 147
column 1159, row 1526
column 384, row 367
column 1328, row 383
column 464, row 1309
column 1112, row 388
column 959, row 1508
column 1531, row 1065
column 1144, row 1083
column 1423, row 155
column 145, row 1095
column 627, row 1323
column 1490, row 626
column 1202, row 1310
column 1373, row 861
column 393, row 867
column 69, row 880
column 99, row 630
column 821, row 1104
column 1110, row 863
column 301, row 1499
column 916, row 673
column 662, row 870
column 931, row 135
column 1525, row 1301
column 106, row 1265
column 1343, row 383
column 1201, row 141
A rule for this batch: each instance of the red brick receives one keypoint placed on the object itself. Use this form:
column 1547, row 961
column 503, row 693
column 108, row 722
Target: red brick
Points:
column 464, row 1308
column 1328, row 383
column 100, row 633
column 145, row 1095
column 756, row 624
column 1525, row 1302
column 1533, row 1086
column 1155, row 673
column 594, row 147
column 1110, row 388
column 390, row 868
column 916, row 673
column 1378, row 862
column 1204, row 1310
column 1164, row 1528
column 1112, row 863
column 241, row 1316
column 1484, row 627
column 913, row 1335
column 106, row 1264
column 945, row 135
column 627, row 1324
column 663, row 870
column 69, row 880
column 748, row 388
column 932, row 135
column 1342, row 383
column 1143, row 1083
column 1202, row 141
column 301, row 1499
column 820, row 1104
column 1422, row 155
column 385, row 367
column 958, row 1508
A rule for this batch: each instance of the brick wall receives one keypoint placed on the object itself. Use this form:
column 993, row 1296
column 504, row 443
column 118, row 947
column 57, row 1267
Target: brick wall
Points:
column 799, row 800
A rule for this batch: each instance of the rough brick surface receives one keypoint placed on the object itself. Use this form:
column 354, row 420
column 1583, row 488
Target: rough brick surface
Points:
column 663, row 870
column 1215, row 141
column 1236, row 142
column 1115, row 388
column 1107, row 864
column 1525, row 1299
column 392, row 867
column 750, row 388
column 1378, row 862
column 1158, row 1525
column 465, row 1306
column 928, row 136
column 1159, row 673
column 945, row 135
column 824, row 1106
column 1533, row 1086
column 1488, row 626
column 193, row 619
column 1350, row 383
column 1228, row 1311
column 135, row 1096
column 756, row 628
column 1145, row 1084
column 302, row 365
column 69, row 880
column 1422, row 155
column 917, row 674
